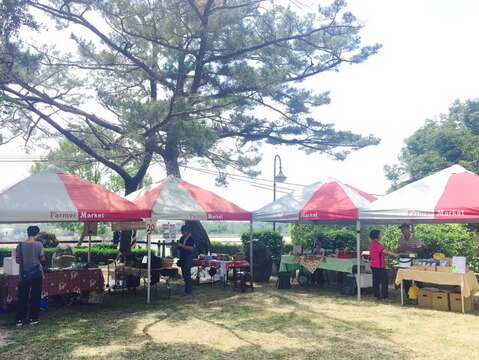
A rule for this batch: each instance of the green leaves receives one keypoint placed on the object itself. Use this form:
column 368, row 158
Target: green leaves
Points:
column 182, row 80
column 439, row 144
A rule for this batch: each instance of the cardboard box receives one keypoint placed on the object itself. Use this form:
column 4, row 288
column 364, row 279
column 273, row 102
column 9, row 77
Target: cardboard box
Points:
column 418, row 267
column 456, row 304
column 443, row 269
column 431, row 268
column 440, row 301
column 424, row 298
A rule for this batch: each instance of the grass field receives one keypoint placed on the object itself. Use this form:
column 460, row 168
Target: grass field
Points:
column 217, row 323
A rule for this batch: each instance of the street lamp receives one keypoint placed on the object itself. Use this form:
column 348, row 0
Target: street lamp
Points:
column 279, row 177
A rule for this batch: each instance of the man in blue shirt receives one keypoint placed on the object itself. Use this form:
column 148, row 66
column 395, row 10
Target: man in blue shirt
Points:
column 186, row 245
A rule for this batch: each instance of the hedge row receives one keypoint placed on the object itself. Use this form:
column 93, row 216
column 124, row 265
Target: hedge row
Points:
column 230, row 249
column 225, row 248
column 98, row 255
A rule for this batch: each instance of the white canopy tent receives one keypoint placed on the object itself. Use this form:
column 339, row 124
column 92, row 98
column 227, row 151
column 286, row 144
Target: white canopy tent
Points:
column 331, row 202
column 447, row 196
column 175, row 199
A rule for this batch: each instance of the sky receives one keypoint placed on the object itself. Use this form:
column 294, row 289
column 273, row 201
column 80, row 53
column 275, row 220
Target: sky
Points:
column 428, row 60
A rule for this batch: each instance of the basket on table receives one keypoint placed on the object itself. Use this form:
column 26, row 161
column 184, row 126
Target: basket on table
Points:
column 167, row 262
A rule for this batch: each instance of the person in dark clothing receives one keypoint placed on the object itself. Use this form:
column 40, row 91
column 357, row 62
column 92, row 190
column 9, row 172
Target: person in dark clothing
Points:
column 185, row 245
column 378, row 265
column 30, row 256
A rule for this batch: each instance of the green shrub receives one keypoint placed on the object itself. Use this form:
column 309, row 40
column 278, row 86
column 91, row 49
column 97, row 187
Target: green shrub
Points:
column 101, row 256
column 105, row 246
column 48, row 239
column 450, row 239
column 287, row 248
column 4, row 252
column 331, row 237
column 98, row 256
column 271, row 239
column 225, row 248
column 340, row 239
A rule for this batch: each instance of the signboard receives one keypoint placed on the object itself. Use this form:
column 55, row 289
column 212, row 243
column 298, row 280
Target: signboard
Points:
column 169, row 232
column 128, row 225
column 459, row 264
column 90, row 228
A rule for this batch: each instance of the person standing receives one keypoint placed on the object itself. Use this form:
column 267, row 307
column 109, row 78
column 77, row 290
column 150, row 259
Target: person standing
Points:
column 318, row 275
column 377, row 254
column 408, row 243
column 185, row 245
column 30, row 256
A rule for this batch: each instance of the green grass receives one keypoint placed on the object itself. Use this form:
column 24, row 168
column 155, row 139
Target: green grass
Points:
column 217, row 323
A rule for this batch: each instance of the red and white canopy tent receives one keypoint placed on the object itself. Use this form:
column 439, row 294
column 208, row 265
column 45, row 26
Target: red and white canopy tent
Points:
column 331, row 202
column 175, row 199
column 450, row 195
column 53, row 196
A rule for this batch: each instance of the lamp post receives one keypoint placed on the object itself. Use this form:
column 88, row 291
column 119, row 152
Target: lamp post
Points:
column 280, row 177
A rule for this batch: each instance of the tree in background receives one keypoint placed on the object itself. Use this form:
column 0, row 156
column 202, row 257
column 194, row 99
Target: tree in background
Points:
column 332, row 236
column 449, row 239
column 184, row 79
column 453, row 139
column 176, row 80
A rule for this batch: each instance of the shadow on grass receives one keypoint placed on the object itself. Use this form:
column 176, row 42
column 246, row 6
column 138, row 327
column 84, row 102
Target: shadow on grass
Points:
column 327, row 350
column 110, row 330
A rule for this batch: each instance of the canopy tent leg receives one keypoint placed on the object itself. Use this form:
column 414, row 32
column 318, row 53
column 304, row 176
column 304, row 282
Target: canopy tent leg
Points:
column 149, row 230
column 358, row 258
column 148, row 289
column 251, row 248
column 89, row 249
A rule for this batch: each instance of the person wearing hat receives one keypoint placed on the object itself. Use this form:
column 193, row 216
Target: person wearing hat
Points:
column 408, row 243
column 185, row 245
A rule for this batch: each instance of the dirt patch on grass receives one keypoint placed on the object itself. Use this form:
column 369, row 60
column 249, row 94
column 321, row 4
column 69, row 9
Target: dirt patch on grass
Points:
column 5, row 335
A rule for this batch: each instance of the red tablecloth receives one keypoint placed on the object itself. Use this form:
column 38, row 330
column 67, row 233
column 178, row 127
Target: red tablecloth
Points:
column 55, row 283
column 217, row 263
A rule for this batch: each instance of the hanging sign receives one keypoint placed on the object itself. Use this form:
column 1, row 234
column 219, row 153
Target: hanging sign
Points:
column 168, row 232
column 90, row 228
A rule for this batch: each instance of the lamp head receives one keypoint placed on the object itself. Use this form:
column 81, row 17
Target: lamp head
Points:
column 280, row 177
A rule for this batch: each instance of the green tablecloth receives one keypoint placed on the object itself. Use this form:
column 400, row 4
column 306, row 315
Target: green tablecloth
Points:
column 330, row 263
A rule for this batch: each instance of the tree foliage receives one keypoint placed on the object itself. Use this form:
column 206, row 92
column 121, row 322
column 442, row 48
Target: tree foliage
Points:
column 332, row 237
column 453, row 139
column 174, row 80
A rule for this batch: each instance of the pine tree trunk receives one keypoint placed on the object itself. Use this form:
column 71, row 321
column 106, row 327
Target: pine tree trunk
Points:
column 203, row 244
column 131, row 185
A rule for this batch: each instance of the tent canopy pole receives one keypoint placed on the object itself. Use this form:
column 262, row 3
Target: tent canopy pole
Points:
column 358, row 257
